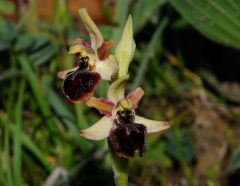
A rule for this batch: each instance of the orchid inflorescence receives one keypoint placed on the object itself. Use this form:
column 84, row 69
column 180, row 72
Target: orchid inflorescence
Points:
column 125, row 130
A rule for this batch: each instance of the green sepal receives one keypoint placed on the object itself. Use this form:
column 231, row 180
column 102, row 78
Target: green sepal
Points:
column 125, row 49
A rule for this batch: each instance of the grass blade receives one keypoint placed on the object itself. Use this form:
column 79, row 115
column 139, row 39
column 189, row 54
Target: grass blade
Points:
column 217, row 20
column 150, row 49
column 33, row 148
column 81, row 119
column 37, row 92
column 120, row 17
column 143, row 11
column 26, row 142
column 66, row 116
column 7, row 156
column 1, row 162
column 17, row 141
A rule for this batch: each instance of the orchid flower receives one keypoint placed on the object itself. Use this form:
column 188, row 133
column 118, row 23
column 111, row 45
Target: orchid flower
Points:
column 93, row 62
column 125, row 130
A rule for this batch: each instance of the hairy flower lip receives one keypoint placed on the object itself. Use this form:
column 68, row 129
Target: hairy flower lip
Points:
column 80, row 85
column 126, row 139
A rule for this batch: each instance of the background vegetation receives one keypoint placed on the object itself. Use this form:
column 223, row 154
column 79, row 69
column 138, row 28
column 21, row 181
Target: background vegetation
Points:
column 187, row 60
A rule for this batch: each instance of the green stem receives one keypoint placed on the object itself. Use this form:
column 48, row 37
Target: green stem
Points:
column 120, row 168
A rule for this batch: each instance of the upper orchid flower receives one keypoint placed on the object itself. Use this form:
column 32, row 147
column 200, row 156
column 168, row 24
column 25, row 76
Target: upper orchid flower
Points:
column 93, row 63
column 125, row 130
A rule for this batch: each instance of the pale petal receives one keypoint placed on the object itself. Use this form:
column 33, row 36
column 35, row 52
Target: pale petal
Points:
column 152, row 125
column 116, row 89
column 63, row 74
column 99, row 130
column 94, row 33
column 125, row 49
column 135, row 96
column 104, row 106
column 106, row 69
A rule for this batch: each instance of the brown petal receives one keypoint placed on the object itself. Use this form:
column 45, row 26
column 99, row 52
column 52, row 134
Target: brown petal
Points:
column 104, row 106
column 135, row 96
column 128, row 138
column 80, row 85
column 103, row 50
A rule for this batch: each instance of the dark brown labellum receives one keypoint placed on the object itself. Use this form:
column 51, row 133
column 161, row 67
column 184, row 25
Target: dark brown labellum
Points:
column 80, row 85
column 128, row 138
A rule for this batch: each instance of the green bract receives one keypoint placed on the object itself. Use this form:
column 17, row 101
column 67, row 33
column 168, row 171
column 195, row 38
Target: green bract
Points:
column 125, row 49
column 116, row 89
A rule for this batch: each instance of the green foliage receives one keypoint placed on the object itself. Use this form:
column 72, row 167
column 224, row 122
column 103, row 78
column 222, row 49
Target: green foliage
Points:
column 7, row 34
column 180, row 145
column 143, row 12
column 216, row 19
column 6, row 7
column 120, row 17
column 39, row 128
column 156, row 154
column 149, row 52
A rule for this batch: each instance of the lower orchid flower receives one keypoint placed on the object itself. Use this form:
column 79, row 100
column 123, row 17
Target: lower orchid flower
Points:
column 125, row 130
